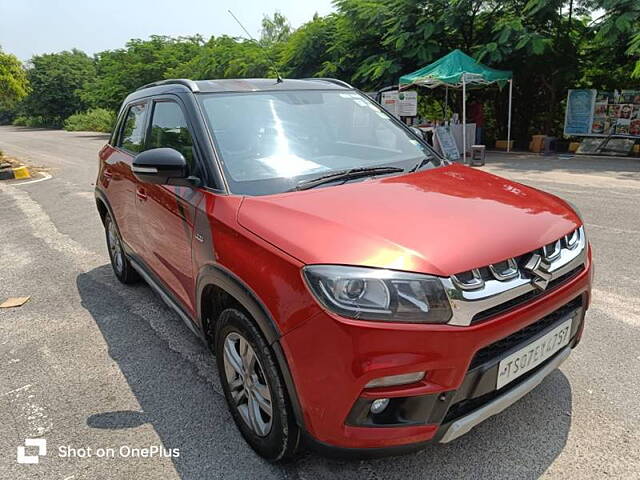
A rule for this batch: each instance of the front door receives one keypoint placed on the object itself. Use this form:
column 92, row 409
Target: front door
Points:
column 119, row 180
column 167, row 212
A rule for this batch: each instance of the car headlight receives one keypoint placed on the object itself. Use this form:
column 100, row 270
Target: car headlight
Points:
column 377, row 294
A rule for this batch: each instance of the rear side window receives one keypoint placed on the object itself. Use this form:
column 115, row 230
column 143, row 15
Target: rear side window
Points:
column 132, row 136
column 169, row 130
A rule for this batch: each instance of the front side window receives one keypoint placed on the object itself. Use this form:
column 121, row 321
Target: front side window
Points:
column 270, row 141
column 132, row 137
column 169, row 130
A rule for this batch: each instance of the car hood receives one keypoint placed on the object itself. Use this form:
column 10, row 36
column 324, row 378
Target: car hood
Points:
column 441, row 221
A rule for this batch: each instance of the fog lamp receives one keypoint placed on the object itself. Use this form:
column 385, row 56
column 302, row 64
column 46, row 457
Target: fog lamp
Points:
column 378, row 405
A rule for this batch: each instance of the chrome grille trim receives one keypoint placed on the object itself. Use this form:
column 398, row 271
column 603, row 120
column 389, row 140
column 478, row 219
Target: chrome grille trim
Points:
column 552, row 251
column 571, row 240
column 467, row 302
column 510, row 272
column 476, row 281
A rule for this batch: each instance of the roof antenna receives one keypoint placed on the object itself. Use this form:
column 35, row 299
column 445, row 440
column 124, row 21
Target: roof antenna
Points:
column 273, row 64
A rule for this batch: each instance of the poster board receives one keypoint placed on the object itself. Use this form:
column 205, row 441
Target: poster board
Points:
column 401, row 104
column 601, row 114
column 578, row 117
column 446, row 143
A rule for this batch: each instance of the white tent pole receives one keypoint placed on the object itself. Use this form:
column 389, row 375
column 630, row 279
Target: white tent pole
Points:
column 464, row 120
column 509, row 120
column 446, row 102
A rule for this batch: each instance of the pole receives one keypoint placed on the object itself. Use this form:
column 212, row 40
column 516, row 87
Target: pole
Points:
column 446, row 103
column 509, row 120
column 464, row 120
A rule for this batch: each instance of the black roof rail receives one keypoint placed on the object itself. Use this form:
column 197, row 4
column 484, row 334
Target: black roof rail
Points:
column 190, row 84
column 330, row 80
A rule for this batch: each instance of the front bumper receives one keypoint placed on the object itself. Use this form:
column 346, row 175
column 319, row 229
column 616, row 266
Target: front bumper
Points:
column 333, row 358
column 454, row 429
column 459, row 427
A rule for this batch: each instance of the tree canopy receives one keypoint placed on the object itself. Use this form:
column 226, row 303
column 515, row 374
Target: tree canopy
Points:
column 55, row 81
column 549, row 45
column 13, row 81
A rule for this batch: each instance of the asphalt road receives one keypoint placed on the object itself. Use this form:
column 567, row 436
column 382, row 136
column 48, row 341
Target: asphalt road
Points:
column 90, row 363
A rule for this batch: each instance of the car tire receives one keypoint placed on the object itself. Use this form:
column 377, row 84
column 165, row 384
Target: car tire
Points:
column 120, row 263
column 253, row 387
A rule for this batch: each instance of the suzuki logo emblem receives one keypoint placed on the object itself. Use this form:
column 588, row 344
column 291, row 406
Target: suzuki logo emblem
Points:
column 539, row 268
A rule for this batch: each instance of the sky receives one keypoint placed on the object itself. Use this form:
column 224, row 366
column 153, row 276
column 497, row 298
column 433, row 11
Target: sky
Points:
column 29, row 27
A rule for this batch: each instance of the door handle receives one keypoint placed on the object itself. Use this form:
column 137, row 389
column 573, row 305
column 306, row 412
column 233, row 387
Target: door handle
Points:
column 141, row 194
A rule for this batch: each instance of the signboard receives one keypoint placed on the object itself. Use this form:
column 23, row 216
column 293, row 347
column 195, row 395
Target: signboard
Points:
column 602, row 114
column 447, row 144
column 390, row 102
column 579, row 114
column 401, row 104
column 408, row 103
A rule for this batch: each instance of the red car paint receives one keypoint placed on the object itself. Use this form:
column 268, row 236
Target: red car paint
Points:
column 440, row 222
column 430, row 222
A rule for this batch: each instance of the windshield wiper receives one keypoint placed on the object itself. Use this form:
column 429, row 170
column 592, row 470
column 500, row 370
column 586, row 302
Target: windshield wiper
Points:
column 346, row 175
column 420, row 164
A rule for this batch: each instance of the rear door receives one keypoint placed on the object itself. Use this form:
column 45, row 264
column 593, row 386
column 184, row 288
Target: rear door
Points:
column 120, row 181
column 167, row 212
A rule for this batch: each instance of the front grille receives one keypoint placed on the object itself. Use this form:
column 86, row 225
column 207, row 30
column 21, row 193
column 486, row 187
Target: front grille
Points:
column 516, row 302
column 465, row 407
column 496, row 349
column 475, row 278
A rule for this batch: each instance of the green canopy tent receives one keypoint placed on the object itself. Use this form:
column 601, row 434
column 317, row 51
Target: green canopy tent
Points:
column 459, row 70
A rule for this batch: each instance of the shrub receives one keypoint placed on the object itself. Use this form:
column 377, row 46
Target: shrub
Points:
column 34, row 122
column 20, row 121
column 95, row 120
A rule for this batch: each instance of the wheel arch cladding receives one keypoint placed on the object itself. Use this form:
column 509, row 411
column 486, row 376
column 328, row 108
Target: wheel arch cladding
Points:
column 102, row 209
column 214, row 280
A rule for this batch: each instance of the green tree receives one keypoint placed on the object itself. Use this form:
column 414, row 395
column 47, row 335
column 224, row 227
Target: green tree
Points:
column 307, row 52
column 615, row 49
column 275, row 29
column 55, row 80
column 226, row 57
column 13, row 81
column 119, row 72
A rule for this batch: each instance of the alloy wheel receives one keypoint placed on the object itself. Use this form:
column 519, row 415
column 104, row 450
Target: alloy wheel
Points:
column 115, row 248
column 247, row 383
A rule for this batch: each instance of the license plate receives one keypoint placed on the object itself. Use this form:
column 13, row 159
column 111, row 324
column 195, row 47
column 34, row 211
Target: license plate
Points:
column 534, row 354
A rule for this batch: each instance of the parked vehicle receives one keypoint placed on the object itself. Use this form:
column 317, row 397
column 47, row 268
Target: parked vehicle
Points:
column 358, row 291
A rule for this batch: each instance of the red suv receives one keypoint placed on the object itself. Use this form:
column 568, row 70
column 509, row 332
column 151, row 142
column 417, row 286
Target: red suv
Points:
column 359, row 292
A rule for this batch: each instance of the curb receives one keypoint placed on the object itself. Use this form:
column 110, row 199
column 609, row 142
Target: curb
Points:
column 14, row 173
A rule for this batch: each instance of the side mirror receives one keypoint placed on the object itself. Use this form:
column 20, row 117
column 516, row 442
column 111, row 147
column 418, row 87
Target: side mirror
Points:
column 162, row 166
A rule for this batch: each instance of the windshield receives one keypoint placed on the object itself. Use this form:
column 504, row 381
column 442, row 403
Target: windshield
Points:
column 271, row 141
